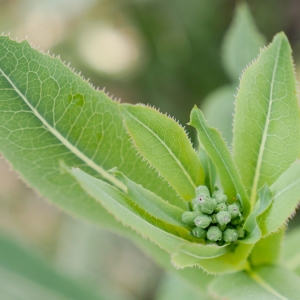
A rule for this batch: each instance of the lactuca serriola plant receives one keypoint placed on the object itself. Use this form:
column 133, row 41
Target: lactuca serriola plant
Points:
column 210, row 208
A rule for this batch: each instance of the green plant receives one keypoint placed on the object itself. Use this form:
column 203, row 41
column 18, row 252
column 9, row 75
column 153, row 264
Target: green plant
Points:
column 74, row 145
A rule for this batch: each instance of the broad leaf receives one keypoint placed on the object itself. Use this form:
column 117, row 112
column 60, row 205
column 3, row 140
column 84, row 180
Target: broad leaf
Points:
column 25, row 276
column 173, row 288
column 267, row 121
column 232, row 261
column 291, row 253
column 47, row 114
column 242, row 42
column 286, row 196
column 252, row 224
column 267, row 283
column 267, row 251
column 221, row 157
column 165, row 145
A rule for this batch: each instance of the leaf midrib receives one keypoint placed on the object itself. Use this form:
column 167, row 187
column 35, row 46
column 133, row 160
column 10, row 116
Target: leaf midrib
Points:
column 264, row 136
column 265, row 285
column 168, row 149
column 64, row 141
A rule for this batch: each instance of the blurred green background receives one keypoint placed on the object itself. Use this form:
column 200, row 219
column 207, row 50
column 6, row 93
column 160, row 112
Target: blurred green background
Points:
column 165, row 53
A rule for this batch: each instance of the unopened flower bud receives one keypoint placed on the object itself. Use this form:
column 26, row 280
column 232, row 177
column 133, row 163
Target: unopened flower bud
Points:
column 199, row 232
column 223, row 217
column 206, row 204
column 240, row 232
column 202, row 221
column 214, row 233
column 188, row 217
column 230, row 235
column 202, row 190
column 221, row 207
column 234, row 210
column 238, row 220
column 219, row 196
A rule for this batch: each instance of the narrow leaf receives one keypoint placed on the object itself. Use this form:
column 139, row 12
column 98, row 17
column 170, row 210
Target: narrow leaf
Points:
column 286, row 191
column 220, row 156
column 252, row 224
column 267, row 121
column 165, row 145
column 152, row 203
column 268, row 283
column 242, row 31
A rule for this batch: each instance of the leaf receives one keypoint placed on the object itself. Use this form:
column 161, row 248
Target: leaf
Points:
column 252, row 224
column 209, row 170
column 286, row 191
column 267, row 283
column 165, row 235
column 242, row 42
column 48, row 114
column 152, row 203
column 25, row 276
column 187, row 255
column 218, row 109
column 220, row 156
column 165, row 145
column 291, row 253
column 267, row 122
column 233, row 261
column 172, row 288
column 267, row 251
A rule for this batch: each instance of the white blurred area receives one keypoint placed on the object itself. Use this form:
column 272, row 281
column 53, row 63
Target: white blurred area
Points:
column 106, row 42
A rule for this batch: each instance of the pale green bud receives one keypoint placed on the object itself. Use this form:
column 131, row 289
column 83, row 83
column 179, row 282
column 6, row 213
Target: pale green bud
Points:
column 223, row 217
column 207, row 205
column 230, row 235
column 221, row 207
column 214, row 233
column 240, row 232
column 202, row 190
column 234, row 210
column 188, row 217
column 219, row 196
column 202, row 221
column 238, row 220
column 199, row 232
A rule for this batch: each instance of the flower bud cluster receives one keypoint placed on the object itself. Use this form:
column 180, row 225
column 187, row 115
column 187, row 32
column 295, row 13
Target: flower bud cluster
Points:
column 213, row 218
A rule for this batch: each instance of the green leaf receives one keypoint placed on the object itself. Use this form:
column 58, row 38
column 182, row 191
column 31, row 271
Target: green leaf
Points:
column 267, row 283
column 172, row 288
column 252, row 224
column 187, row 255
column 48, row 114
column 218, row 152
column 267, row 250
column 291, row 253
column 267, row 121
column 233, row 261
column 25, row 276
column 165, row 235
column 286, row 191
column 218, row 109
column 242, row 42
column 152, row 203
column 209, row 170
column 165, row 145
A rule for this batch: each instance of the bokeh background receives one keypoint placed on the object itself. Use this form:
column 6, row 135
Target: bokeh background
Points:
column 165, row 53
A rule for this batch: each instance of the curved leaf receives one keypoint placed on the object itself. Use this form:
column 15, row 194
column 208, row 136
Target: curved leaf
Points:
column 165, row 145
column 221, row 157
column 291, row 253
column 267, row 283
column 267, row 119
